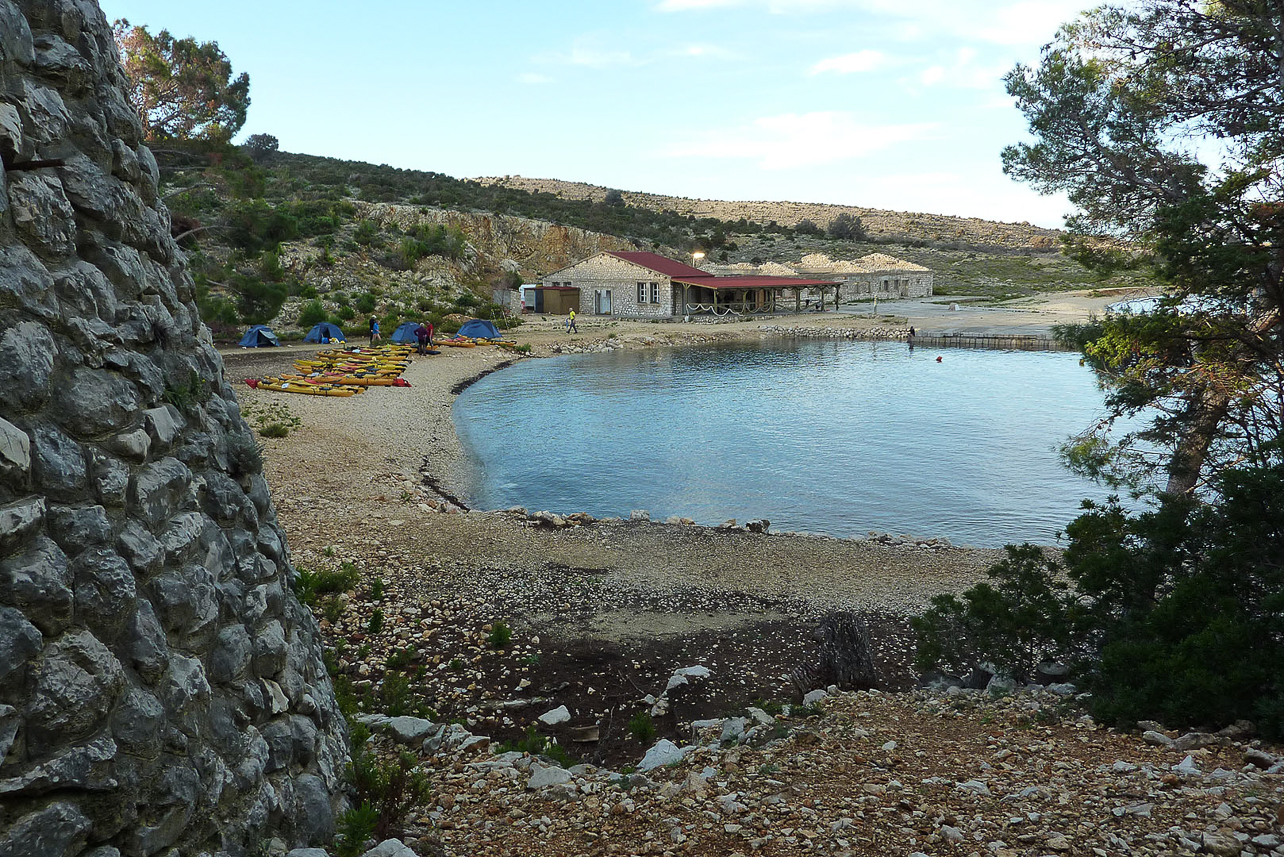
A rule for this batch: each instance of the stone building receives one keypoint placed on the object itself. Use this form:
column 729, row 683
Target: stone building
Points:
column 876, row 275
column 634, row 284
column 162, row 691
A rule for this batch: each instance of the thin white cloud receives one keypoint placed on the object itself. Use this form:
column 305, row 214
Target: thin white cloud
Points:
column 861, row 61
column 1024, row 22
column 964, row 70
column 590, row 51
column 703, row 51
column 533, row 78
column 794, row 140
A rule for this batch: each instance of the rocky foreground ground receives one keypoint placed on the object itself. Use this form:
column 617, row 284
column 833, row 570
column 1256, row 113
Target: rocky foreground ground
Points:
column 535, row 738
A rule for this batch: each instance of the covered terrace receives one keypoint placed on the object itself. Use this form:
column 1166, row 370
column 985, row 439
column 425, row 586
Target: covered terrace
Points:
column 750, row 295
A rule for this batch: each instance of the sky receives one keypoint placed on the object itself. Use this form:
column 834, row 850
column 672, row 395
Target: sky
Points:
column 895, row 104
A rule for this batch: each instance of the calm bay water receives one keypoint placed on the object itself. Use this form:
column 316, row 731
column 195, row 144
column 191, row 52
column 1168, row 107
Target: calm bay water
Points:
column 817, row 436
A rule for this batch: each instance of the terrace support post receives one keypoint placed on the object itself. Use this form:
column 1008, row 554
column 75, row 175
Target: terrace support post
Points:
column 797, row 300
column 715, row 303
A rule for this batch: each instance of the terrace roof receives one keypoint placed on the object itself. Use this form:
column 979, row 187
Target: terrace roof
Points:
column 751, row 282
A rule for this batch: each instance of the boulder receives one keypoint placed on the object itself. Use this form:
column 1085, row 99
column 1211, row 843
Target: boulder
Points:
column 665, row 752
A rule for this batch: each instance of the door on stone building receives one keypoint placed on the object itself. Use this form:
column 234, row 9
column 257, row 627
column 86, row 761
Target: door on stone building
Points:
column 602, row 301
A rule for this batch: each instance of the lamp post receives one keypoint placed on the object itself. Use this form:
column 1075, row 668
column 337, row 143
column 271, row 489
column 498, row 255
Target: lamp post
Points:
column 696, row 256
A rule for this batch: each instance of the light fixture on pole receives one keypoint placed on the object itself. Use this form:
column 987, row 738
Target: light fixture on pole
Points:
column 695, row 259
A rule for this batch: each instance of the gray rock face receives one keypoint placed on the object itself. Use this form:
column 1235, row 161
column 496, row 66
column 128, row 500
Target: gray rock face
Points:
column 161, row 691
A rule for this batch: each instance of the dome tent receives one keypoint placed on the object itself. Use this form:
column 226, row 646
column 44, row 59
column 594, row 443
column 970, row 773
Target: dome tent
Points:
column 405, row 333
column 259, row 336
column 478, row 329
column 325, row 331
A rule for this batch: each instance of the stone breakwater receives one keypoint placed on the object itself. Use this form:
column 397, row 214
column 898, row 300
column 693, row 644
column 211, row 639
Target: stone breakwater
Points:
column 876, row 334
column 161, row 689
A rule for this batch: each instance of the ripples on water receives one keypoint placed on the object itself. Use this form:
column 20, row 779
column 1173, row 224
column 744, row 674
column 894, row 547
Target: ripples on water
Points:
column 828, row 437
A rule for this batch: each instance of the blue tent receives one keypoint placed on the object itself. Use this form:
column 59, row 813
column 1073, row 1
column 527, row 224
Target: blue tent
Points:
column 478, row 329
column 259, row 336
column 405, row 333
column 325, row 331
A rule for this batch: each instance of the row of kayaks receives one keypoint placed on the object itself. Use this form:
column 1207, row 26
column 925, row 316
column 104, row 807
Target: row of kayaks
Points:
column 342, row 372
column 467, row 342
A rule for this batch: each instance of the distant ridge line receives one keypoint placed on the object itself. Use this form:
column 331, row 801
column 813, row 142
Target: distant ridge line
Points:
column 880, row 223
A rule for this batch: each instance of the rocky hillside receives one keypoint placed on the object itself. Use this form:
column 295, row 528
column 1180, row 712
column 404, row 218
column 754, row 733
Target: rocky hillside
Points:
column 881, row 224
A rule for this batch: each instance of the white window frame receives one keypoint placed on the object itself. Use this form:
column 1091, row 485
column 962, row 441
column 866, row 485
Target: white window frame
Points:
column 655, row 293
column 641, row 293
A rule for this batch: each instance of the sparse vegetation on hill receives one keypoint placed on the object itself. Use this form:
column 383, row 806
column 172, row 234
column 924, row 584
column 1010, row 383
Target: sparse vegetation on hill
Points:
column 291, row 240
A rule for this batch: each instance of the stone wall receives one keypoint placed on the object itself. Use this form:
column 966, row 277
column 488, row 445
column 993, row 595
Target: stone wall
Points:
column 608, row 272
column 885, row 284
column 161, row 689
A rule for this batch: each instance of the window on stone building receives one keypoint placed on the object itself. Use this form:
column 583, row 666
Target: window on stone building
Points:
column 655, row 293
column 641, row 293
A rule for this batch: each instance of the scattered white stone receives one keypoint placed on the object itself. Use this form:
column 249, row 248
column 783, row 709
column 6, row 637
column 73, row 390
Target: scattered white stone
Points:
column 561, row 714
column 814, row 697
column 390, row 848
column 1186, row 767
column 665, row 752
column 542, row 777
column 975, row 787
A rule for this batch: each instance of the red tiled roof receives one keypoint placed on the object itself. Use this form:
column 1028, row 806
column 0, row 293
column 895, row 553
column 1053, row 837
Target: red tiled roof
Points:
column 659, row 264
column 750, row 282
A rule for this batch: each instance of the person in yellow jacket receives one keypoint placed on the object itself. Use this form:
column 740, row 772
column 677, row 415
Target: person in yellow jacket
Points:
column 570, row 323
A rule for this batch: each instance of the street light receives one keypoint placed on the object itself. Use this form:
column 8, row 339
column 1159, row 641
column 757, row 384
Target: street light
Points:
column 695, row 259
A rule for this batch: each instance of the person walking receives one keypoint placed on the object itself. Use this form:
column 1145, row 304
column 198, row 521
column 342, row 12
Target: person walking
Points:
column 374, row 330
column 570, row 323
column 422, row 333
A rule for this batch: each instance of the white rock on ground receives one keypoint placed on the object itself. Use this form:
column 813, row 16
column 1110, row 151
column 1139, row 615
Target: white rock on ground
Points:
column 558, row 715
column 390, row 848
column 547, row 776
column 665, row 752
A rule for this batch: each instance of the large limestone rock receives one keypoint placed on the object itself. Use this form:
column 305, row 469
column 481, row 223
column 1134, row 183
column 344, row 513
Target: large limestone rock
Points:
column 151, row 651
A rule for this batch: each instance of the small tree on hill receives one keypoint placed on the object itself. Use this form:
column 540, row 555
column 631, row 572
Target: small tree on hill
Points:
column 182, row 89
column 847, row 227
column 261, row 147
column 806, row 226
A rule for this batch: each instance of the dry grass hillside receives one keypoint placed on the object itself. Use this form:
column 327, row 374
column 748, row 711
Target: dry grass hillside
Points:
column 883, row 225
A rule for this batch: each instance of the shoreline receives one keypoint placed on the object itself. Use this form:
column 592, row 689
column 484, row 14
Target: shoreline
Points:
column 427, row 447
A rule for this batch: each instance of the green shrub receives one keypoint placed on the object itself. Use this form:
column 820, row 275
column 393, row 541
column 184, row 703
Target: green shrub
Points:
column 642, row 727
column 346, row 313
column 500, row 635
column 367, row 233
column 1015, row 622
column 385, row 793
column 365, row 302
column 376, row 622
column 1176, row 614
column 275, row 430
column 310, row 584
column 312, row 313
column 356, row 827
column 186, row 396
column 538, row 745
